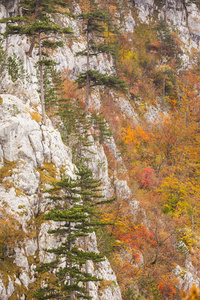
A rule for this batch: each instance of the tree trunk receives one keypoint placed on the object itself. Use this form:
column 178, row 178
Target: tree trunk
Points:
column 41, row 83
column 86, row 267
column 31, row 46
column 86, row 263
column 88, row 78
column 70, row 266
column 7, row 42
column 163, row 97
column 34, row 37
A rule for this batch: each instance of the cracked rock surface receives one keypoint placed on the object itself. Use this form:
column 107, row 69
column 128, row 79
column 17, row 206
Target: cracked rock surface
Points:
column 26, row 147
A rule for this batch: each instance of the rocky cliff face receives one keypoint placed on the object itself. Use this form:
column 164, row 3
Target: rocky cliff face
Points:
column 31, row 152
column 181, row 14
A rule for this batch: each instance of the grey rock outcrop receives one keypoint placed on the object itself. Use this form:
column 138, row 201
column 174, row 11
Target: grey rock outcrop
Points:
column 29, row 146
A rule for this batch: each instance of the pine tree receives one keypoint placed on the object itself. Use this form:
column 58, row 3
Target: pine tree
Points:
column 102, row 131
column 52, row 86
column 43, row 25
column 77, row 126
column 38, row 10
column 89, row 190
column 42, row 30
column 94, row 22
column 75, row 211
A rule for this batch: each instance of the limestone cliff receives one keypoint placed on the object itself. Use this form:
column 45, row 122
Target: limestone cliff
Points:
column 32, row 154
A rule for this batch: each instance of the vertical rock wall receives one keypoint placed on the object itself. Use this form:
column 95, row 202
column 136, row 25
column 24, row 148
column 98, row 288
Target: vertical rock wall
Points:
column 33, row 152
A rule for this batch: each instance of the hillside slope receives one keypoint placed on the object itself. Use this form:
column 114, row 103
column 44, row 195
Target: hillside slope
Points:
column 153, row 155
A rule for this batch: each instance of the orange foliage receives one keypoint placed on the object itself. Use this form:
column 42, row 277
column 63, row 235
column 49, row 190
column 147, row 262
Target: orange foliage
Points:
column 69, row 90
column 166, row 287
column 136, row 136
column 165, row 152
column 193, row 294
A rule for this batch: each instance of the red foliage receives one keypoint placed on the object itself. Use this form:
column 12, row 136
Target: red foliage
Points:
column 146, row 175
column 154, row 46
column 136, row 257
column 167, row 289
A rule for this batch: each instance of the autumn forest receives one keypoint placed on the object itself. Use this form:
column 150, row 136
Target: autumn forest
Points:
column 150, row 235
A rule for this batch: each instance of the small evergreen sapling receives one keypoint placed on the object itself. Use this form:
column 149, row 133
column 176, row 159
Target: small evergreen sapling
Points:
column 15, row 68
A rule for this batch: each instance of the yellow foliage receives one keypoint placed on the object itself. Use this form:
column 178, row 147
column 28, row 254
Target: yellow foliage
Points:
column 164, row 68
column 104, row 284
column 48, row 173
column 109, row 37
column 10, row 233
column 188, row 237
column 143, row 135
column 194, row 294
column 135, row 136
column 18, row 192
column 35, row 116
column 128, row 55
column 7, row 171
column 130, row 61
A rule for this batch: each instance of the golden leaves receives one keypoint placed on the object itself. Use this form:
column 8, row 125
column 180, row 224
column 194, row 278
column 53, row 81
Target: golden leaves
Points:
column 193, row 294
column 135, row 136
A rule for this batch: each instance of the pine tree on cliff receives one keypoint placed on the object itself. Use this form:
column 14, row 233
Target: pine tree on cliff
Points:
column 75, row 213
column 101, row 128
column 77, row 127
column 94, row 22
column 38, row 24
column 38, row 10
column 89, row 190
column 46, row 32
